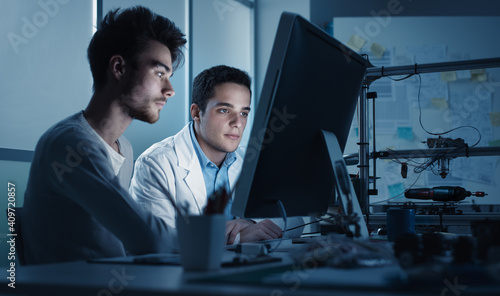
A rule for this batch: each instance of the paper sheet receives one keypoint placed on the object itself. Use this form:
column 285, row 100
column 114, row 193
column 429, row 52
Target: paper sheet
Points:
column 479, row 169
column 467, row 109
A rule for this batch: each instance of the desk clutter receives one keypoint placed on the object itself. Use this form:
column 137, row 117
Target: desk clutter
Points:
column 424, row 261
column 431, row 257
column 419, row 263
column 433, row 263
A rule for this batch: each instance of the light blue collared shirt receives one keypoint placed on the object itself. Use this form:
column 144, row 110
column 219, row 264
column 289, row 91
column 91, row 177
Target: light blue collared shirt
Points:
column 214, row 177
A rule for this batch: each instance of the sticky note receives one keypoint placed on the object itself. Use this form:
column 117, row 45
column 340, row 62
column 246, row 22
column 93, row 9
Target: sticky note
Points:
column 494, row 143
column 495, row 118
column 477, row 71
column 478, row 75
column 377, row 49
column 356, row 42
column 405, row 132
column 396, row 189
column 449, row 76
column 440, row 103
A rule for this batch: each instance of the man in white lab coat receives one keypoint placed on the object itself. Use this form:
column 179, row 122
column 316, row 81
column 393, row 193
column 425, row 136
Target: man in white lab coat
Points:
column 203, row 157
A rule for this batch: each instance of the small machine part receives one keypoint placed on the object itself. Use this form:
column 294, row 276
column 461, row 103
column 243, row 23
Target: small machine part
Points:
column 444, row 166
column 404, row 170
column 442, row 193
column 445, row 142
column 444, row 162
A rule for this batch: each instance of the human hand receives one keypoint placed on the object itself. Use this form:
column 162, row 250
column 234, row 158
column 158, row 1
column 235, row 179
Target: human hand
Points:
column 233, row 227
column 264, row 230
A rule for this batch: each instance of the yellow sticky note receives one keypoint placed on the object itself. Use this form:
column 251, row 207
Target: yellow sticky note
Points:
column 477, row 71
column 377, row 49
column 478, row 75
column 440, row 103
column 449, row 76
column 356, row 42
column 495, row 118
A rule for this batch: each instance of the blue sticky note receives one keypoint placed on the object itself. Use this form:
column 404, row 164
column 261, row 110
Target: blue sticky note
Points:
column 396, row 190
column 405, row 133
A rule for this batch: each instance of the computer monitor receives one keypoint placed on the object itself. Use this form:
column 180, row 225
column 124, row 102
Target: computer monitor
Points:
column 311, row 85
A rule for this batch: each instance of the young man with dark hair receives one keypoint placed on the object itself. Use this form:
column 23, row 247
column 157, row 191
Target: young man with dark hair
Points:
column 77, row 204
column 203, row 157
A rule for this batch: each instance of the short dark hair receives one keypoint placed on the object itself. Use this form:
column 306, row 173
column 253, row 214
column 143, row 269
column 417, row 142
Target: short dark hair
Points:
column 206, row 81
column 127, row 33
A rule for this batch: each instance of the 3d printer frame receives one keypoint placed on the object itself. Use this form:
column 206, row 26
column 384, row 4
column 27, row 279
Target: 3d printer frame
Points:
column 374, row 73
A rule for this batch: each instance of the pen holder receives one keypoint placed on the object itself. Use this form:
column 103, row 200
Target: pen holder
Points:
column 201, row 241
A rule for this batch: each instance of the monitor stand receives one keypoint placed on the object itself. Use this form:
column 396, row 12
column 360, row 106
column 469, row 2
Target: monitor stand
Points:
column 343, row 183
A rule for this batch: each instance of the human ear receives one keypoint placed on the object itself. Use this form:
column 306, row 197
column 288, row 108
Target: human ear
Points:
column 195, row 112
column 117, row 66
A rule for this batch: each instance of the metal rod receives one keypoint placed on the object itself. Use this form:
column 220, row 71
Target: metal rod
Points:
column 455, row 220
column 353, row 158
column 375, row 73
column 364, row 167
column 374, row 149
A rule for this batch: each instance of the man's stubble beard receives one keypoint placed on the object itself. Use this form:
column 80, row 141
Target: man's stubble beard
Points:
column 143, row 112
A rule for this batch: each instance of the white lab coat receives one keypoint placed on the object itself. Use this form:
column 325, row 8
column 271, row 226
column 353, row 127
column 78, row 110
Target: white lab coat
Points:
column 173, row 166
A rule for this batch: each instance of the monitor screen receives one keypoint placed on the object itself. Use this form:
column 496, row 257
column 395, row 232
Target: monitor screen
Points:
column 311, row 85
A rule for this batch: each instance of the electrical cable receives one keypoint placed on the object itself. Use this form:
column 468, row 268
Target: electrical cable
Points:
column 401, row 79
column 430, row 163
column 305, row 224
column 445, row 132
column 283, row 215
column 389, row 199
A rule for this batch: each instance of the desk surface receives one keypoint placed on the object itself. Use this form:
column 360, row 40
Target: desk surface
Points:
column 83, row 278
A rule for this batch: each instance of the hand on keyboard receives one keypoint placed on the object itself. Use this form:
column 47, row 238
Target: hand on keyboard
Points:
column 233, row 227
column 263, row 230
